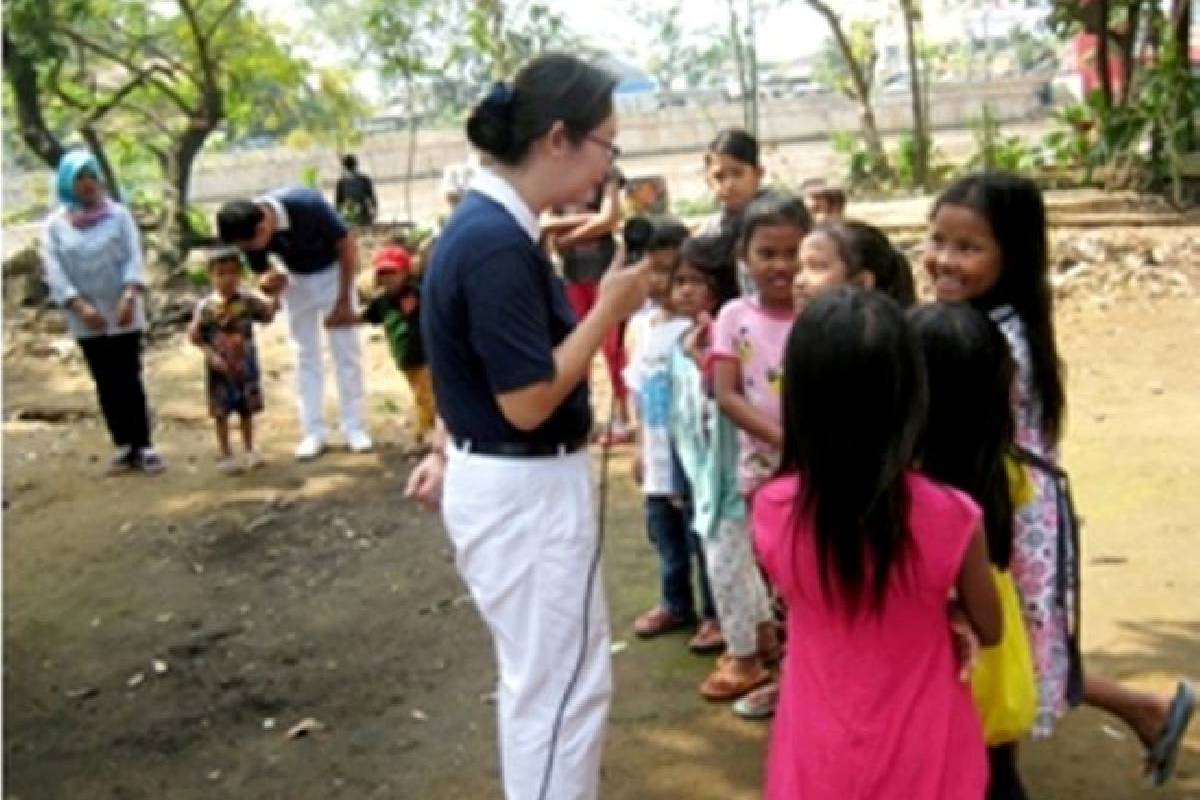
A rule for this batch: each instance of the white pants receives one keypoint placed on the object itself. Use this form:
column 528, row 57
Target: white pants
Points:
column 737, row 586
column 524, row 532
column 308, row 298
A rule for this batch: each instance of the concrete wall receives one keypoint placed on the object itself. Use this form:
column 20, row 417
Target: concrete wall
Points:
column 225, row 176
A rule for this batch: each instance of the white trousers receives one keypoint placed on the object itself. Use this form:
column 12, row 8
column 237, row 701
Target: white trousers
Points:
column 737, row 586
column 307, row 299
column 524, row 532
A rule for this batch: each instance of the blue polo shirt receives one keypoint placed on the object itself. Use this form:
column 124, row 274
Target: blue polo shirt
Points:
column 493, row 312
column 307, row 232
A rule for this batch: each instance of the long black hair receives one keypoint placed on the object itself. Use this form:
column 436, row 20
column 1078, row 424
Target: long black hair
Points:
column 551, row 87
column 970, row 428
column 1013, row 207
column 862, row 246
column 853, row 405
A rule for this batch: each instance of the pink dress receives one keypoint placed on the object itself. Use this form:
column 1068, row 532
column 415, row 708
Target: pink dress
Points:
column 870, row 707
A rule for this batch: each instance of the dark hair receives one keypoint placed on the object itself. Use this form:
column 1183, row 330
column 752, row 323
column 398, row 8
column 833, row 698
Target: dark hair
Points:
column 969, row 428
column 238, row 221
column 713, row 255
column 1013, row 208
column 770, row 209
column 669, row 232
column 735, row 143
column 853, row 405
column 549, row 88
column 350, row 162
column 861, row 246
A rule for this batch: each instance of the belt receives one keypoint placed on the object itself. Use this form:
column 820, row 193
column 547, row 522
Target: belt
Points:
column 519, row 449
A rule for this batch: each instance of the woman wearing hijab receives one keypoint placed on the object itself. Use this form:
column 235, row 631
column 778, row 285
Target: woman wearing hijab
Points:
column 93, row 260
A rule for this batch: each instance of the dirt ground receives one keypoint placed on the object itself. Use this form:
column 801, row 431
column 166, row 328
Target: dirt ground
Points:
column 162, row 635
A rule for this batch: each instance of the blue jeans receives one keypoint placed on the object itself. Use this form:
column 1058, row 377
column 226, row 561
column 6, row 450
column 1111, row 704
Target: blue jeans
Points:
column 671, row 535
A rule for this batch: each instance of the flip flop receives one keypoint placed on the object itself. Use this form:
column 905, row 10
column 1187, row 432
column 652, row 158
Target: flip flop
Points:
column 1162, row 754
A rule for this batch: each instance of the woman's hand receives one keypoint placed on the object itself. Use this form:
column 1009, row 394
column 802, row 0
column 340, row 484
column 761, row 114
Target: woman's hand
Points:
column 127, row 307
column 425, row 482
column 91, row 318
column 623, row 288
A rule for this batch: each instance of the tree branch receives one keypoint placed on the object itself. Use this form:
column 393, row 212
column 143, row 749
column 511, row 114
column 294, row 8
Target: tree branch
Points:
column 21, row 75
column 109, row 53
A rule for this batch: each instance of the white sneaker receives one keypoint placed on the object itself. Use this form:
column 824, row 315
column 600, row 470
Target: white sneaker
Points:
column 253, row 460
column 359, row 442
column 309, row 448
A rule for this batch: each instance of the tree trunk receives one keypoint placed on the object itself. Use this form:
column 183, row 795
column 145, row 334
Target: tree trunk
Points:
column 862, row 89
column 920, row 124
column 1181, row 22
column 739, row 57
column 173, row 237
column 1129, row 48
column 1102, row 54
column 21, row 74
column 95, row 144
column 410, row 164
column 752, row 64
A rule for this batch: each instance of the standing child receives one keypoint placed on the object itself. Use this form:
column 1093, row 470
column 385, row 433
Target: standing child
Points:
column 654, row 332
column 223, row 328
column 707, row 446
column 987, row 246
column 734, row 174
column 865, row 553
column 748, row 341
column 397, row 308
column 967, row 443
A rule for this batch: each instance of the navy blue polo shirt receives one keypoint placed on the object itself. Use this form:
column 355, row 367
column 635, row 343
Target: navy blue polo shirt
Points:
column 307, row 233
column 493, row 312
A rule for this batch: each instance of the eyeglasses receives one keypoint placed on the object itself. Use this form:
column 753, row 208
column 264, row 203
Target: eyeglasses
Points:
column 614, row 152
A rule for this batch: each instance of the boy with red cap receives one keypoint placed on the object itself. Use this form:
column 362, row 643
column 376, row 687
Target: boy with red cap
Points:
column 397, row 308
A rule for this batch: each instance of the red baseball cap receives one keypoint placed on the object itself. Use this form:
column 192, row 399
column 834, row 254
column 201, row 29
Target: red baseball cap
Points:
column 391, row 258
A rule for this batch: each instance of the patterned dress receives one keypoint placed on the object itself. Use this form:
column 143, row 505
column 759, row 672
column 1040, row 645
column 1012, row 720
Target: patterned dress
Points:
column 1035, row 558
column 227, row 325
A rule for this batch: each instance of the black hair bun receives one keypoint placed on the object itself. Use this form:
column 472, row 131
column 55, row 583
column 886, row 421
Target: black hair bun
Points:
column 489, row 127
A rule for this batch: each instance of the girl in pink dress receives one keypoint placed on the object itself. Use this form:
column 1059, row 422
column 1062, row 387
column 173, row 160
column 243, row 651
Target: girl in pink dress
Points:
column 867, row 554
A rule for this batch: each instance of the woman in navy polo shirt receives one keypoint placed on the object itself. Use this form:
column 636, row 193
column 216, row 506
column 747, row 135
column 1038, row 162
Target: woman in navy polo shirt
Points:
column 509, row 368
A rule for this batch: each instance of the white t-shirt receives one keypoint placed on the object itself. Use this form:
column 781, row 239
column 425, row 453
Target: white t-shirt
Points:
column 649, row 378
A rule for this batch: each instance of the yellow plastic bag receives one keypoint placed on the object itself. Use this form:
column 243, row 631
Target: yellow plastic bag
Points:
column 1003, row 684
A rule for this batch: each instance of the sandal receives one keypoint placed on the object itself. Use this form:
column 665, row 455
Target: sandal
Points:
column 724, row 684
column 708, row 638
column 657, row 621
column 759, row 704
column 1161, row 756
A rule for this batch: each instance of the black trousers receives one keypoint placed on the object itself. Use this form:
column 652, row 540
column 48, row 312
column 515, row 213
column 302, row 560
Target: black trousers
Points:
column 1005, row 783
column 116, row 366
